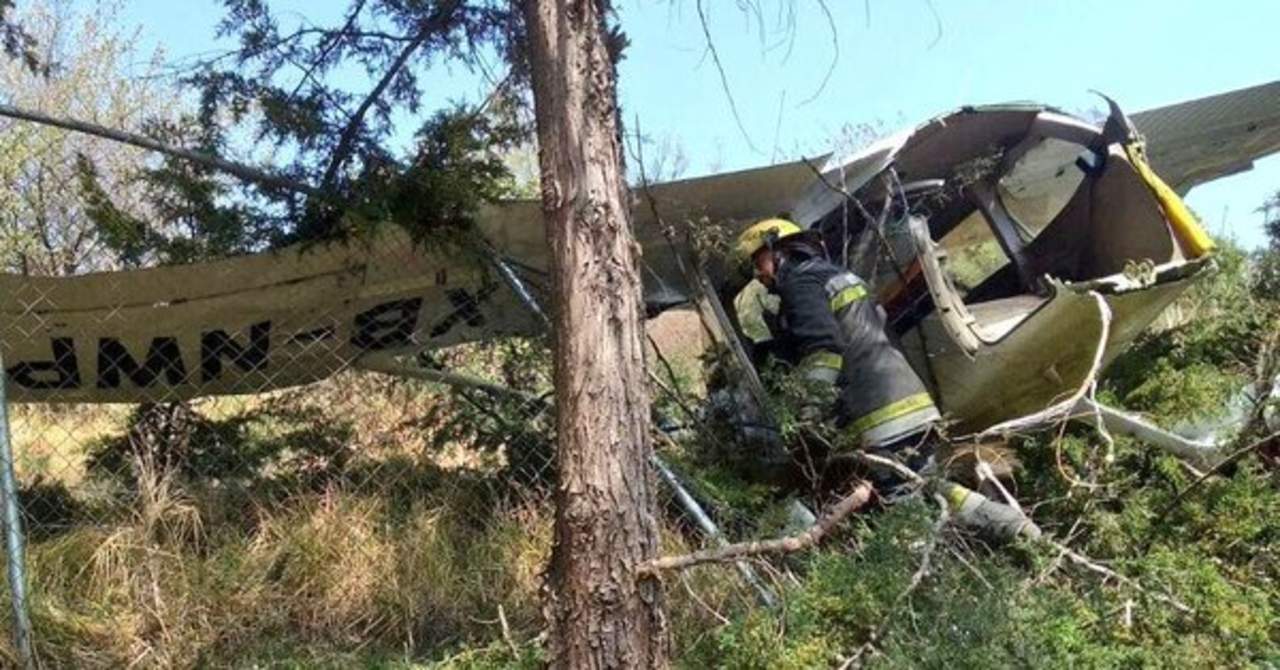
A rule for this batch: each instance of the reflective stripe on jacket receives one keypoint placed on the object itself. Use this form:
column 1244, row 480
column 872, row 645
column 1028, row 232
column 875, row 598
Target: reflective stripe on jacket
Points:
column 829, row 322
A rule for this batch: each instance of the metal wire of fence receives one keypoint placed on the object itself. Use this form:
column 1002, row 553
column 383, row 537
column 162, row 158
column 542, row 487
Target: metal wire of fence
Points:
column 199, row 474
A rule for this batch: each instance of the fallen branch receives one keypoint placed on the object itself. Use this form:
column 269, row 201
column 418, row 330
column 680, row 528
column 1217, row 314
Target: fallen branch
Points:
column 859, row 497
column 708, row 526
column 1064, row 551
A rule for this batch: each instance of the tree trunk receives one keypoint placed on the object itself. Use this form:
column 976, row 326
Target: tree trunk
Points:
column 601, row 614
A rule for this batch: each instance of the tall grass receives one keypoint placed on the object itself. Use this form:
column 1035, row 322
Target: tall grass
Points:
column 340, row 570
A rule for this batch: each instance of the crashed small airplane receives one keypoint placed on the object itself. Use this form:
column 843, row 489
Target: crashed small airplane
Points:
column 1015, row 249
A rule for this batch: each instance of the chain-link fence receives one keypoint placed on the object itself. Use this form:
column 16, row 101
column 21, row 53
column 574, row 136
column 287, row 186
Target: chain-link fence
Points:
column 310, row 453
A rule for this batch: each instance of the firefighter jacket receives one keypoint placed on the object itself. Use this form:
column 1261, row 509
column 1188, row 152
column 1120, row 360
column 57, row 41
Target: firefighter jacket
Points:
column 832, row 327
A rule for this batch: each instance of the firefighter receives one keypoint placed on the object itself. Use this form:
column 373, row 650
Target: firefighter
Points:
column 831, row 328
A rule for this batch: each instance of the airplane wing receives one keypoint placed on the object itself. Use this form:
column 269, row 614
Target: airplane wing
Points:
column 246, row 324
column 1201, row 140
column 265, row 321
column 515, row 228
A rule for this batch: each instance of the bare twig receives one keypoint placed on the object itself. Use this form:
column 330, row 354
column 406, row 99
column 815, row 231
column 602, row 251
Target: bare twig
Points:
column 1057, row 560
column 702, row 603
column 835, row 53
column 724, row 79
column 937, row 20
column 1094, row 566
column 969, row 565
column 662, row 358
column 1231, row 458
column 879, row 221
column 506, row 633
column 986, row 473
column 672, row 394
column 672, row 391
column 785, row 545
column 1065, row 551
column 888, row 463
column 330, row 44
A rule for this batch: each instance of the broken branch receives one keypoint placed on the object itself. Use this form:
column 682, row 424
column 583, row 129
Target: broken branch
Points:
column 859, row 497
column 1064, row 551
column 1094, row 566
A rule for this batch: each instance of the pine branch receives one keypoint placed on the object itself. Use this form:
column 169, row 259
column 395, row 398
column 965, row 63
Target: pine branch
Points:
column 347, row 139
column 917, row 578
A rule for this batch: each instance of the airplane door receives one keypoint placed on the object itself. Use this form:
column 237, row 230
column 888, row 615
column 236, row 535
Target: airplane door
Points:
column 950, row 309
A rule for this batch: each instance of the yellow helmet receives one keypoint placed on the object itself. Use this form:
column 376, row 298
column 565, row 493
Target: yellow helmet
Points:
column 755, row 238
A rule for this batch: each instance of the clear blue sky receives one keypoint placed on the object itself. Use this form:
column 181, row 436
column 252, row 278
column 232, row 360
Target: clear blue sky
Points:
column 893, row 72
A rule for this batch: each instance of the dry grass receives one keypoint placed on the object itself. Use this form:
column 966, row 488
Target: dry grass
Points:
column 49, row 440
column 410, row 551
column 336, row 570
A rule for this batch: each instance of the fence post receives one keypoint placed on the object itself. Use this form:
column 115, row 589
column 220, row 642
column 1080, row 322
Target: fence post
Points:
column 708, row 527
column 14, row 541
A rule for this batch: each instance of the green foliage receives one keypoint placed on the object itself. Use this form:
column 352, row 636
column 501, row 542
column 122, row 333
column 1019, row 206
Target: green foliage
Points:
column 1004, row 607
column 457, row 165
column 123, row 233
column 514, row 430
column 288, row 87
column 1190, row 369
column 16, row 42
column 1267, row 274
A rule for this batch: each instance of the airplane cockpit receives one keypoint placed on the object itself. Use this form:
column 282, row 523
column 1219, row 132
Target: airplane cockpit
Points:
column 976, row 221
